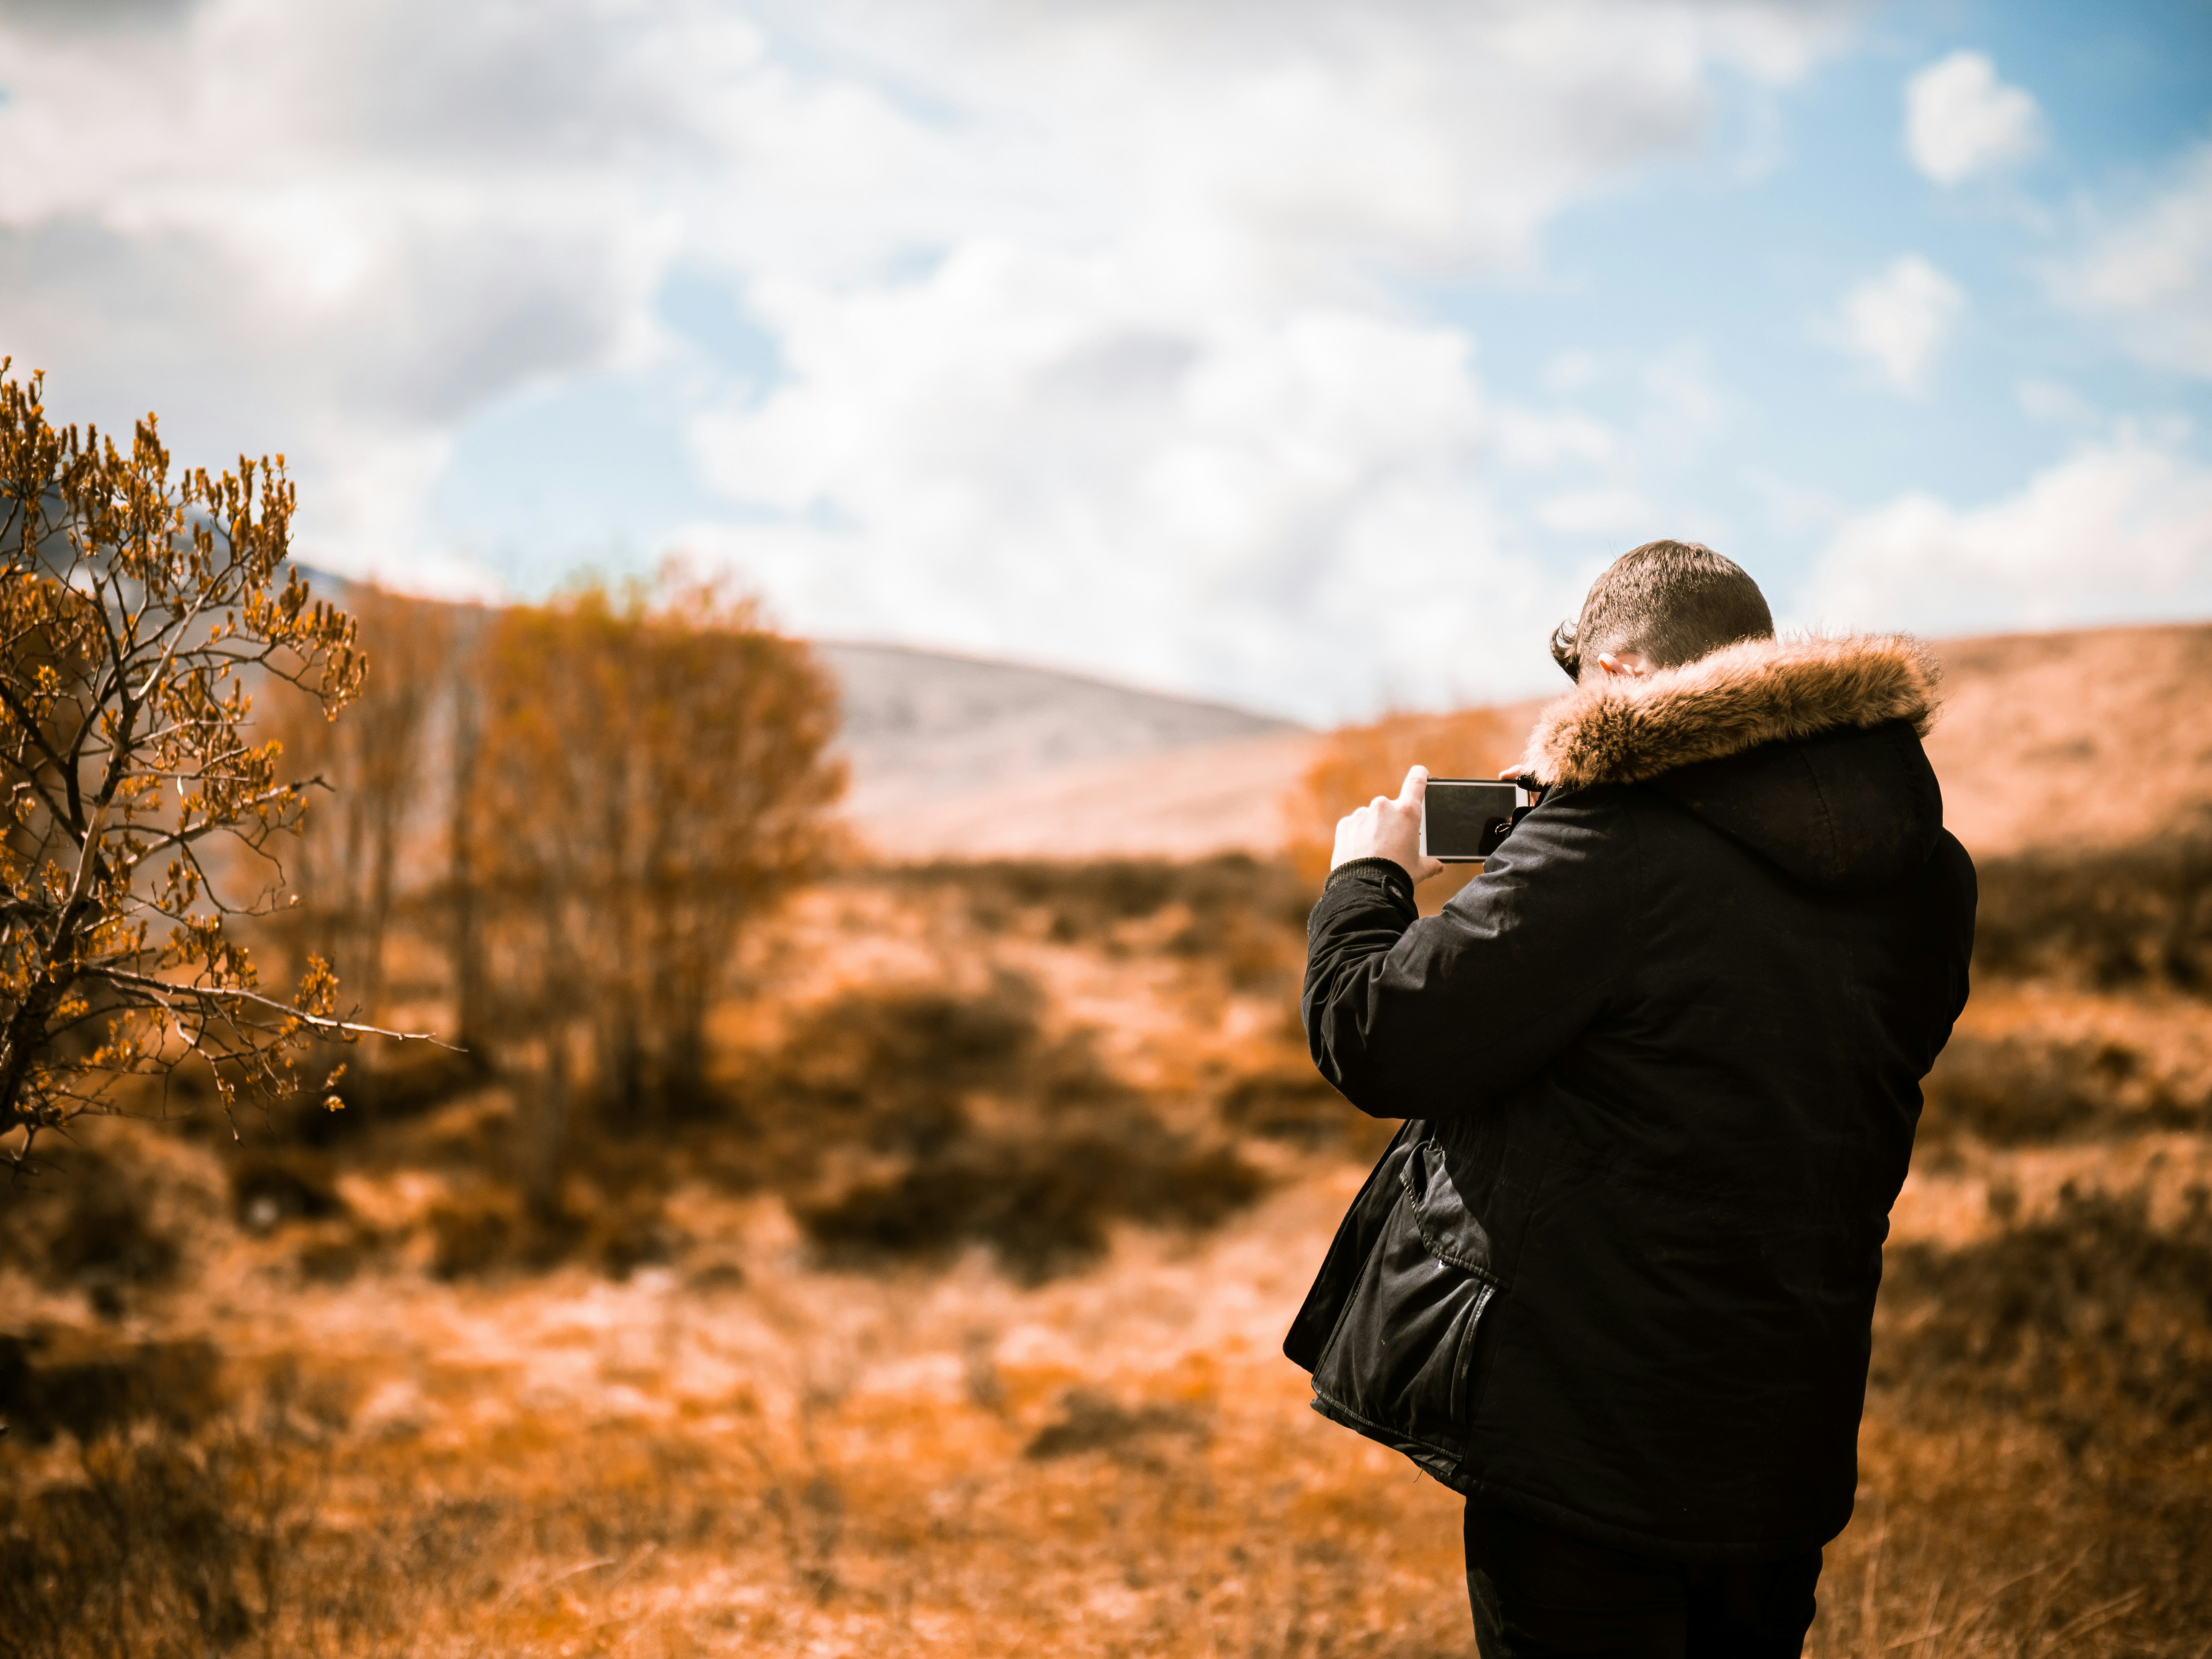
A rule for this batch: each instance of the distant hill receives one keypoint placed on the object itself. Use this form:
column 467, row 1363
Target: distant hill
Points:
column 2094, row 739
column 925, row 730
column 2091, row 739
column 2088, row 740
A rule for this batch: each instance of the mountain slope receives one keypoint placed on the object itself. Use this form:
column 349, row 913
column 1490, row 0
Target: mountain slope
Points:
column 2093, row 739
column 2087, row 740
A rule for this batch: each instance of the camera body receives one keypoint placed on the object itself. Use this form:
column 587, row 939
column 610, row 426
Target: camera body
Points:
column 1464, row 819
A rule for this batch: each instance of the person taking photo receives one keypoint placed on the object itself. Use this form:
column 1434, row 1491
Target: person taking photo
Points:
column 1660, row 1068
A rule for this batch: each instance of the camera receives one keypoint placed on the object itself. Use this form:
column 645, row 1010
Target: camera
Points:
column 1464, row 819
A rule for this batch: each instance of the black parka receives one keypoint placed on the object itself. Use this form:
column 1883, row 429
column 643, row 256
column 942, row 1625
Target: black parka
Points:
column 1660, row 1064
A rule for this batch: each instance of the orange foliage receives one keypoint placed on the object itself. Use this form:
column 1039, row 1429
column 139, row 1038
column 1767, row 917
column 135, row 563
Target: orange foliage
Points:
column 550, row 823
column 354, row 843
column 140, row 606
column 649, row 776
column 300, row 1441
column 1362, row 761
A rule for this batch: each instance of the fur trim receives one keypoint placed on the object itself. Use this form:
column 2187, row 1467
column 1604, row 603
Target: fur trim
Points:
column 1612, row 730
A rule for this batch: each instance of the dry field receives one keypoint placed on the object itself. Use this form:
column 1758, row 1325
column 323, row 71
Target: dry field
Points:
column 954, row 1330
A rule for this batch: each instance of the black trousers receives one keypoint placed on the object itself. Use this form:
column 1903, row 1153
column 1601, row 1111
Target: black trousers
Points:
column 1538, row 1592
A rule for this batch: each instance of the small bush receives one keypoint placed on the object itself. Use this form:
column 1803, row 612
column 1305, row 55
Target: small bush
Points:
column 269, row 1187
column 1086, row 902
column 1299, row 1107
column 86, row 1220
column 88, row 1391
column 980, row 1130
column 2092, row 1323
column 1091, row 1422
column 1042, row 1204
column 873, row 1059
column 485, row 1227
column 2110, row 921
column 2024, row 1087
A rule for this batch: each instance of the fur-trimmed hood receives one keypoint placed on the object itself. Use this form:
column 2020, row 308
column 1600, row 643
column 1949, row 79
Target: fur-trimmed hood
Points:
column 1806, row 751
column 1617, row 730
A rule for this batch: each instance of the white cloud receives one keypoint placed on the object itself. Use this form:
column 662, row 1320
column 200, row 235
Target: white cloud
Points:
column 2050, row 400
column 2151, row 273
column 1020, row 437
column 1155, row 405
column 1900, row 320
column 1614, row 511
column 2121, row 530
column 1959, row 119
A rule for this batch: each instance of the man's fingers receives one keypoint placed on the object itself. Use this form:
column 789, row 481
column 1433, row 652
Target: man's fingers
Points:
column 1385, row 829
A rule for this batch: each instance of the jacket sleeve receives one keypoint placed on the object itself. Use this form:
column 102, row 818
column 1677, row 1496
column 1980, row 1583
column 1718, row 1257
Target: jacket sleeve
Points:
column 1433, row 1018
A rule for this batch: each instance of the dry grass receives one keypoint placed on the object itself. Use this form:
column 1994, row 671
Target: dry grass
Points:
column 350, row 1398
column 810, row 1461
column 2136, row 918
column 825, row 1463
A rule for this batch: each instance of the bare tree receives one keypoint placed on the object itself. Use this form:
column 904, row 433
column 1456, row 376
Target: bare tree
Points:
column 650, row 775
column 346, row 867
column 134, row 607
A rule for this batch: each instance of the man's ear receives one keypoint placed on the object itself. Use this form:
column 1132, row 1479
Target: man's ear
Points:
column 1629, row 664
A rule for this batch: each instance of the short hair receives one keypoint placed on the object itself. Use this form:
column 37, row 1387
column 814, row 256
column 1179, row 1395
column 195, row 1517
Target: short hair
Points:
column 1674, row 602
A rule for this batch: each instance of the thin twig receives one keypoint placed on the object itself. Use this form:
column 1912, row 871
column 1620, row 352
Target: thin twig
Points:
column 2101, row 1614
column 221, row 994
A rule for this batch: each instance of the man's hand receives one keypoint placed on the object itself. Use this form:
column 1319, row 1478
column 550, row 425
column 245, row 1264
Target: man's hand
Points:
column 1387, row 828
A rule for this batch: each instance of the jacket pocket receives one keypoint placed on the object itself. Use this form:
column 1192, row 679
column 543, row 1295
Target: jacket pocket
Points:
column 1403, row 1356
column 1354, row 1242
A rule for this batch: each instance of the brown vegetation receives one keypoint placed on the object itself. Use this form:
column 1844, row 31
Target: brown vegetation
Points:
column 2138, row 919
column 134, row 608
column 552, row 825
column 941, row 1315
column 1362, row 761
column 648, row 779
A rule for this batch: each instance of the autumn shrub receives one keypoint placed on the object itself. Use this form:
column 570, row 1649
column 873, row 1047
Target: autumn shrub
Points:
column 484, row 1227
column 1042, row 1204
column 1294, row 1103
column 1359, row 762
column 1090, row 1421
column 271, row 1185
column 51, row 1385
column 2037, row 1408
column 2137, row 918
column 140, row 608
column 2091, row 1322
column 652, row 774
column 1224, row 901
column 87, row 1221
column 2029, row 1086
column 889, row 1066
column 910, row 1122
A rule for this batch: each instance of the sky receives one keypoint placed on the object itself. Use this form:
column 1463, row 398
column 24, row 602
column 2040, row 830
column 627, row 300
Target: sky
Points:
column 1306, row 354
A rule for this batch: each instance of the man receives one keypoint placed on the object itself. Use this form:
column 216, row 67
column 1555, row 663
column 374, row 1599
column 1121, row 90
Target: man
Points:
column 1660, row 1064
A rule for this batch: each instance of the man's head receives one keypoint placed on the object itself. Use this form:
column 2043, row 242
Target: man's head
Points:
column 1666, row 603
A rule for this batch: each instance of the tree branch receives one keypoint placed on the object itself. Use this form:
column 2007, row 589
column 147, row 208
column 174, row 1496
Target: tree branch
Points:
column 160, row 989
